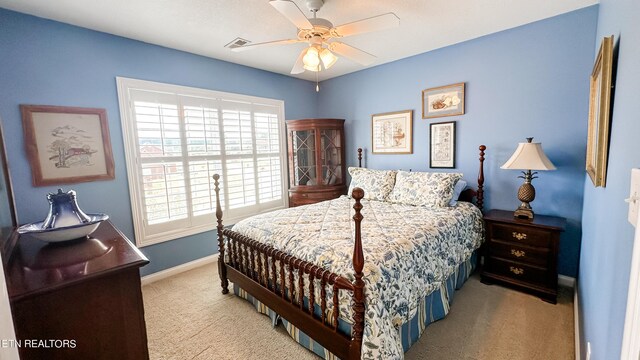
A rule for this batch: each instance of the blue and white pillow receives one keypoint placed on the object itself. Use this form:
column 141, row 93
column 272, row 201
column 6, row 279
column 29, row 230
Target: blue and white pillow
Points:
column 458, row 188
column 424, row 188
column 377, row 184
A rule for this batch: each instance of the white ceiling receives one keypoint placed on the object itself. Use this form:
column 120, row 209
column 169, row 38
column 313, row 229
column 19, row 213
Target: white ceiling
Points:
column 204, row 26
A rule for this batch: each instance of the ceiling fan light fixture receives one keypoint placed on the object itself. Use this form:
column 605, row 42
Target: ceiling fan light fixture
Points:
column 311, row 59
column 327, row 57
column 318, row 33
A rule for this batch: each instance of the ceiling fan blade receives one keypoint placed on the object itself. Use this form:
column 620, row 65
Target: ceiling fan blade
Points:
column 268, row 43
column 375, row 23
column 352, row 53
column 292, row 12
column 298, row 67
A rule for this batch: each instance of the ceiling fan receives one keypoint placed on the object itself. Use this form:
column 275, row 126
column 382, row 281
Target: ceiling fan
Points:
column 320, row 34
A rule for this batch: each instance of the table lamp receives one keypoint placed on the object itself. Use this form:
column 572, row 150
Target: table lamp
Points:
column 528, row 156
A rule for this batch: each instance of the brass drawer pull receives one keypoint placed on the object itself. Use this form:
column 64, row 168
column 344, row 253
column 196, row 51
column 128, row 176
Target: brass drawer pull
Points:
column 515, row 270
column 518, row 253
column 519, row 236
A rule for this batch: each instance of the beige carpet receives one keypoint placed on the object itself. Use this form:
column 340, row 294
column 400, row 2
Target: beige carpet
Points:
column 188, row 318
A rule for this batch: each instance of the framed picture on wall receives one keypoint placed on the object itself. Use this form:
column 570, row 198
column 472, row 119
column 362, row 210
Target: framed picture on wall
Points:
column 599, row 110
column 443, row 101
column 443, row 145
column 392, row 133
column 67, row 145
column 8, row 217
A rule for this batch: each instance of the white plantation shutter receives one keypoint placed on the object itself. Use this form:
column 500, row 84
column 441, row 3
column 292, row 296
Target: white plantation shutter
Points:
column 176, row 138
column 203, row 196
column 164, row 192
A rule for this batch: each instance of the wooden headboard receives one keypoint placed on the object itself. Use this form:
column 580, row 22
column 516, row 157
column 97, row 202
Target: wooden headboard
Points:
column 469, row 194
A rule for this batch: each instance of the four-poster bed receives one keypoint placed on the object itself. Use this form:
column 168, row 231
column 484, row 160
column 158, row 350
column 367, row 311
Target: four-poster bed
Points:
column 308, row 296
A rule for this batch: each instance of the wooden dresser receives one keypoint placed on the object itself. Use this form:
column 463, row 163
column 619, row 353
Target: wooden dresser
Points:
column 316, row 160
column 523, row 253
column 87, row 291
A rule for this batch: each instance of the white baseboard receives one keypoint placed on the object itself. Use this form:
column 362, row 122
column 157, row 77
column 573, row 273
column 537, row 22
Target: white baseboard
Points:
column 148, row 279
column 576, row 321
column 566, row 281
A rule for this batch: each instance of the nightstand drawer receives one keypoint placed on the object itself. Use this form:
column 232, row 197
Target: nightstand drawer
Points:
column 525, row 254
column 519, row 271
column 521, row 235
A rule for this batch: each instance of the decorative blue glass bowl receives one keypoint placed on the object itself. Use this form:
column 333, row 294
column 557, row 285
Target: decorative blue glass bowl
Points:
column 65, row 221
column 65, row 233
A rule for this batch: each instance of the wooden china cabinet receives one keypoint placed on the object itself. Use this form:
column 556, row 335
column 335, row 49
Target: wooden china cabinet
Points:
column 316, row 160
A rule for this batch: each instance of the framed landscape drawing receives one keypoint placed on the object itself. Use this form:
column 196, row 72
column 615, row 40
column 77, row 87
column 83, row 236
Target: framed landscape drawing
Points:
column 392, row 133
column 599, row 110
column 443, row 145
column 67, row 144
column 443, row 101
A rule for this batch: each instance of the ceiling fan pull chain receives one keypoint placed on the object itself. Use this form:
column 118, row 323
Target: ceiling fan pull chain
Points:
column 317, row 84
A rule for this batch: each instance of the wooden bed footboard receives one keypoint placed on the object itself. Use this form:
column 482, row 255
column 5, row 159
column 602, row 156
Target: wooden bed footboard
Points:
column 268, row 275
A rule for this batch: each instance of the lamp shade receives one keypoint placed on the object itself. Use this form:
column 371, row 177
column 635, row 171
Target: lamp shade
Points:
column 529, row 156
column 327, row 57
column 311, row 60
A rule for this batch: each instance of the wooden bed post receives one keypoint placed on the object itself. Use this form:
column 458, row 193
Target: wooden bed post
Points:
column 222, row 267
column 480, row 192
column 355, row 348
column 359, row 157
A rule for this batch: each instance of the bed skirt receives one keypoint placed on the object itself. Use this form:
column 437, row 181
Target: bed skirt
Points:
column 433, row 307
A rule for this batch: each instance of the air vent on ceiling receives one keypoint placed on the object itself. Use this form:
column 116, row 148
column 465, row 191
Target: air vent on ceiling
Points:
column 236, row 43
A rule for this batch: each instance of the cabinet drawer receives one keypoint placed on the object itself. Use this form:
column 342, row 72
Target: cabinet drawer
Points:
column 304, row 198
column 521, row 235
column 518, row 271
column 293, row 202
column 325, row 195
column 526, row 254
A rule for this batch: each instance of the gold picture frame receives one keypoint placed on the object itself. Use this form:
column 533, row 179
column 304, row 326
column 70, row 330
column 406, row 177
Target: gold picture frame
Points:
column 599, row 110
column 443, row 101
column 392, row 133
column 67, row 145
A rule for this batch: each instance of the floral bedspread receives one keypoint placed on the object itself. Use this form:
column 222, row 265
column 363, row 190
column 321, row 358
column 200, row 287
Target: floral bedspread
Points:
column 408, row 250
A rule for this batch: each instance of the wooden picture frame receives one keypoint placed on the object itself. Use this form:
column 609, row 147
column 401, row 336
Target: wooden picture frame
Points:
column 8, row 214
column 392, row 133
column 599, row 110
column 67, row 145
column 443, row 101
column 442, row 149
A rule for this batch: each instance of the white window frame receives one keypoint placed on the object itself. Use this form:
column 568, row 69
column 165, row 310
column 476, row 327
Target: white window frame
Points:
column 134, row 174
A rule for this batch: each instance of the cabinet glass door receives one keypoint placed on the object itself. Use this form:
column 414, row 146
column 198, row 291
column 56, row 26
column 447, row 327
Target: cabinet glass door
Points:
column 304, row 157
column 330, row 157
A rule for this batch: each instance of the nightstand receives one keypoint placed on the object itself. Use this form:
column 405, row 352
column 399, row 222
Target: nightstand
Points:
column 523, row 253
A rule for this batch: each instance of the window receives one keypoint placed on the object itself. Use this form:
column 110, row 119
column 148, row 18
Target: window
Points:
column 177, row 137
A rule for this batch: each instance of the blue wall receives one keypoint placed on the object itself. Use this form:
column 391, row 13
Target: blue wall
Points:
column 607, row 240
column 527, row 81
column 49, row 63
